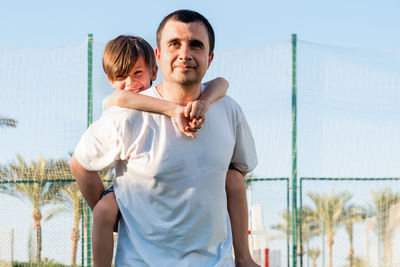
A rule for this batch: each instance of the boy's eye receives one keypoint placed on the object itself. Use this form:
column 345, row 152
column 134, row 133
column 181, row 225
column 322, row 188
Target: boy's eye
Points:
column 138, row 72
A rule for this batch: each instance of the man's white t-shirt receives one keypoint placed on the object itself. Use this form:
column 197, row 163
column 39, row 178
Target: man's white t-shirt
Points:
column 170, row 188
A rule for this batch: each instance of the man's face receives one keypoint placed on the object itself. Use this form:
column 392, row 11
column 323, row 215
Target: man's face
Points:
column 138, row 79
column 183, row 55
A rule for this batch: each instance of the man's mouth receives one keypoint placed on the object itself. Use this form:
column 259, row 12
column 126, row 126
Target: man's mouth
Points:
column 184, row 66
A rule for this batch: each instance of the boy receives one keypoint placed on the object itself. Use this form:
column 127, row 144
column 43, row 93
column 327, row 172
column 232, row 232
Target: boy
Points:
column 129, row 64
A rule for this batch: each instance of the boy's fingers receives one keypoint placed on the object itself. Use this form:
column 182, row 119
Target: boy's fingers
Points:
column 188, row 108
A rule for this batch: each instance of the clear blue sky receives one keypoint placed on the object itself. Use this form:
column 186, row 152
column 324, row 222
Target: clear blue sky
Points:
column 238, row 24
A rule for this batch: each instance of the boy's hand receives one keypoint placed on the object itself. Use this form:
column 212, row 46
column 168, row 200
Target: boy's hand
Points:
column 186, row 126
column 196, row 109
column 114, row 98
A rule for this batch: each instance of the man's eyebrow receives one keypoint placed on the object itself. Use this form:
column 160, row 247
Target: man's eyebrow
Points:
column 173, row 40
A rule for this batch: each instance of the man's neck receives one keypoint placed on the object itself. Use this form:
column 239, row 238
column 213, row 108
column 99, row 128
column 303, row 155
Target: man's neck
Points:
column 178, row 93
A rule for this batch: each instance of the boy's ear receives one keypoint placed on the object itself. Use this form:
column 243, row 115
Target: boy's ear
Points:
column 154, row 73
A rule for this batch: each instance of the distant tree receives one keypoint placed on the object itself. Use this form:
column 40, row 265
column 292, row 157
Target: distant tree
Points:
column 30, row 182
column 352, row 214
column 314, row 253
column 8, row 122
column 330, row 208
column 71, row 200
column 383, row 226
column 309, row 226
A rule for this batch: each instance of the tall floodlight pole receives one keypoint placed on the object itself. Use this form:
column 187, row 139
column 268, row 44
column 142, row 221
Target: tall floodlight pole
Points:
column 89, row 121
column 294, row 152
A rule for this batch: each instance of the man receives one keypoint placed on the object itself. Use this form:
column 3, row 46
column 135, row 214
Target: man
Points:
column 170, row 189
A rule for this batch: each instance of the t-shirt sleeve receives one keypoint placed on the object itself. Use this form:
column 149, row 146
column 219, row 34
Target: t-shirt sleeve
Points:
column 100, row 146
column 244, row 156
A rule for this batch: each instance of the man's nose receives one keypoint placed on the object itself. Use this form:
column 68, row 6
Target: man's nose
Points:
column 185, row 53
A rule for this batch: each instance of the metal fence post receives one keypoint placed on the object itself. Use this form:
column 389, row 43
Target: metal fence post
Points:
column 294, row 152
column 89, row 121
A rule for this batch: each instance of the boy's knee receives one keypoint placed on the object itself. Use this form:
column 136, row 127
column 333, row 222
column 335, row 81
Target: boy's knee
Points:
column 105, row 213
column 234, row 182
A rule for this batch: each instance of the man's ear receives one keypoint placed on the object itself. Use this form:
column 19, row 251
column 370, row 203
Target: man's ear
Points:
column 154, row 73
column 210, row 59
column 157, row 53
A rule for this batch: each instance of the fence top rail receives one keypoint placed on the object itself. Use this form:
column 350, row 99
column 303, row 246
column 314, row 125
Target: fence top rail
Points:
column 267, row 179
column 350, row 178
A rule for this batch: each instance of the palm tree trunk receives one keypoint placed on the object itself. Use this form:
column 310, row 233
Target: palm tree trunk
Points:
column 37, row 216
column 329, row 241
column 74, row 238
column 75, row 233
column 387, row 250
column 351, row 251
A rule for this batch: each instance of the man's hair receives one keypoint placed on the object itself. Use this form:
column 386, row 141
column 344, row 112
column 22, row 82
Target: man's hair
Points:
column 122, row 53
column 188, row 16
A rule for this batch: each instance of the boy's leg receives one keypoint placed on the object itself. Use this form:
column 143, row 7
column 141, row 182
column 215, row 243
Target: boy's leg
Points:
column 237, row 208
column 105, row 216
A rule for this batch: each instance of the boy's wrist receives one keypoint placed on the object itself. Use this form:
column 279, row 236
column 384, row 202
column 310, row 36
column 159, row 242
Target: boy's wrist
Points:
column 174, row 110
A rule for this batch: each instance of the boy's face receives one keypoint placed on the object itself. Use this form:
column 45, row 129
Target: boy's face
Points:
column 138, row 79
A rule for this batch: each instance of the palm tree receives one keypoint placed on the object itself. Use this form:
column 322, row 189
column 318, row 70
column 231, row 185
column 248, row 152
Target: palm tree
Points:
column 29, row 182
column 314, row 253
column 73, row 197
column 8, row 122
column 352, row 215
column 384, row 227
column 309, row 226
column 330, row 208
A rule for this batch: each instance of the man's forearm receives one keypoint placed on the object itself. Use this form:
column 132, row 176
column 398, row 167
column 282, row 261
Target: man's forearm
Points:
column 89, row 183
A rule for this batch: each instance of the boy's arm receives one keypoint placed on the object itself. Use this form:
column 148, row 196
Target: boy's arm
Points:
column 129, row 99
column 215, row 89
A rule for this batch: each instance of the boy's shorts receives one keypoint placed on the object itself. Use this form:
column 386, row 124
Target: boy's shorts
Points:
column 111, row 189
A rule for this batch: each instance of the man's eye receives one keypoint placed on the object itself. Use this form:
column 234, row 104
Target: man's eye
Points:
column 196, row 44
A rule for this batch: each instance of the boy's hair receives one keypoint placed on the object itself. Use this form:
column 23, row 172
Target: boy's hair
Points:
column 188, row 16
column 122, row 53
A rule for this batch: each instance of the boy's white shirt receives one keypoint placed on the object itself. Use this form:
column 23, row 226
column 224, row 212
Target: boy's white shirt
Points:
column 170, row 188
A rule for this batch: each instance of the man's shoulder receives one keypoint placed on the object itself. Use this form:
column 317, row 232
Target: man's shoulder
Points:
column 229, row 104
column 152, row 91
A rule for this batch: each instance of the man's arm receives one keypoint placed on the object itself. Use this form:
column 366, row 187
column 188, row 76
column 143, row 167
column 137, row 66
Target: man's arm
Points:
column 231, row 167
column 89, row 183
